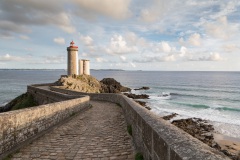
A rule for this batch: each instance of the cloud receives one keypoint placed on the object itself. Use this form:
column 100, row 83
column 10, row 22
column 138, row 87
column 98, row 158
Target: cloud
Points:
column 93, row 8
column 166, row 48
column 226, row 9
column 221, row 28
column 24, row 37
column 123, row 58
column 101, row 60
column 18, row 16
column 211, row 57
column 87, row 40
column 162, row 47
column 56, row 59
column 195, row 39
column 8, row 58
column 149, row 59
column 118, row 45
column 230, row 48
column 155, row 11
column 59, row 40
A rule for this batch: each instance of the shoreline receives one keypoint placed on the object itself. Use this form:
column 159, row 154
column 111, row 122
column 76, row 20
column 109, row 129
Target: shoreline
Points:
column 230, row 144
column 204, row 131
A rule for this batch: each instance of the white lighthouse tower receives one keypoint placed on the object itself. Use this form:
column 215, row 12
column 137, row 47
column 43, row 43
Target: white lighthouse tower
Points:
column 72, row 59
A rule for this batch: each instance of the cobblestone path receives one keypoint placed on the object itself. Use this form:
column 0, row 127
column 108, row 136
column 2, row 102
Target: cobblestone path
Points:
column 98, row 133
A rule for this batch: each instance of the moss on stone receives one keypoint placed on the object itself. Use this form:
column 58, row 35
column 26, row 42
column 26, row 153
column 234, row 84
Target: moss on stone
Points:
column 138, row 156
column 23, row 101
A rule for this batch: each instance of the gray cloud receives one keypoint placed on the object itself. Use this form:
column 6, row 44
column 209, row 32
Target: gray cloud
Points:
column 17, row 16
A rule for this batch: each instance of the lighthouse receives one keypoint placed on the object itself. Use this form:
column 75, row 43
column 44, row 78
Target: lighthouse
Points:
column 72, row 59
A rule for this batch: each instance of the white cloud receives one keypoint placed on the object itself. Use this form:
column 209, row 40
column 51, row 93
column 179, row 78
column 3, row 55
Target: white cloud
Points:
column 195, row 39
column 55, row 59
column 8, row 57
column 59, row 40
column 215, row 57
column 118, row 45
column 133, row 65
column 87, row 40
column 166, row 48
column 24, row 37
column 230, row 48
column 183, row 51
column 211, row 57
column 160, row 47
column 101, row 60
column 123, row 58
column 221, row 28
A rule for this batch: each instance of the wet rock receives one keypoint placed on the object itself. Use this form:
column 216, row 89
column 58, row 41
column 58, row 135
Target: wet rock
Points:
column 110, row 85
column 141, row 103
column 168, row 117
column 198, row 128
column 148, row 108
column 142, row 88
column 135, row 96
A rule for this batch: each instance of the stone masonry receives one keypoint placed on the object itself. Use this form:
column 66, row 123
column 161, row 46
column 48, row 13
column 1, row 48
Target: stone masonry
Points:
column 98, row 133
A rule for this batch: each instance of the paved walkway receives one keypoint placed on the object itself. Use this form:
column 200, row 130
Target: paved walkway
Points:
column 98, row 133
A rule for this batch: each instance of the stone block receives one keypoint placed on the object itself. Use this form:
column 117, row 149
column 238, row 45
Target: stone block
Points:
column 147, row 135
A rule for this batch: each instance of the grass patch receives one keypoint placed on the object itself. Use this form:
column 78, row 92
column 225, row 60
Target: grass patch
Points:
column 138, row 156
column 129, row 129
column 8, row 157
column 23, row 101
column 119, row 105
column 72, row 114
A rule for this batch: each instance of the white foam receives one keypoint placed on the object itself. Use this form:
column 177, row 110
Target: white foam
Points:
column 224, row 123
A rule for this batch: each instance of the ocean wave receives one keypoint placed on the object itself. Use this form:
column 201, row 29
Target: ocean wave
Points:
column 203, row 106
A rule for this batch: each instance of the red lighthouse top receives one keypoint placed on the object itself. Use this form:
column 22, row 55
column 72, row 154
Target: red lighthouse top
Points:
column 72, row 45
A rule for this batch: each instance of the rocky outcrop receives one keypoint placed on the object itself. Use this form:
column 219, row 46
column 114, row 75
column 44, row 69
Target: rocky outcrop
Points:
column 23, row 101
column 143, row 104
column 168, row 117
column 82, row 83
column 89, row 84
column 135, row 96
column 142, row 88
column 198, row 128
column 110, row 85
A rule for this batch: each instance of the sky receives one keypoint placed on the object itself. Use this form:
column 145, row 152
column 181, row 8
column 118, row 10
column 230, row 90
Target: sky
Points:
column 164, row 35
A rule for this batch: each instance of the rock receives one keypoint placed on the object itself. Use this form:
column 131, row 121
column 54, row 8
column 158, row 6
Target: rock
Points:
column 142, row 88
column 81, row 83
column 141, row 103
column 23, row 101
column 148, row 108
column 197, row 128
column 134, row 96
column 168, row 117
column 110, row 85
column 89, row 84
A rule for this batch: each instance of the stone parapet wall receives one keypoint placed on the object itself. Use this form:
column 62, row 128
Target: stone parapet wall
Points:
column 20, row 125
column 156, row 138
column 43, row 96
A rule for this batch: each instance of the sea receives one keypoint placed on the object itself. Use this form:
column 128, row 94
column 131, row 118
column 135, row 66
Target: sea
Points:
column 213, row 96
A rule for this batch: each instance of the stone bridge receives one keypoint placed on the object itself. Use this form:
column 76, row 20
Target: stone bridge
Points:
column 74, row 125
